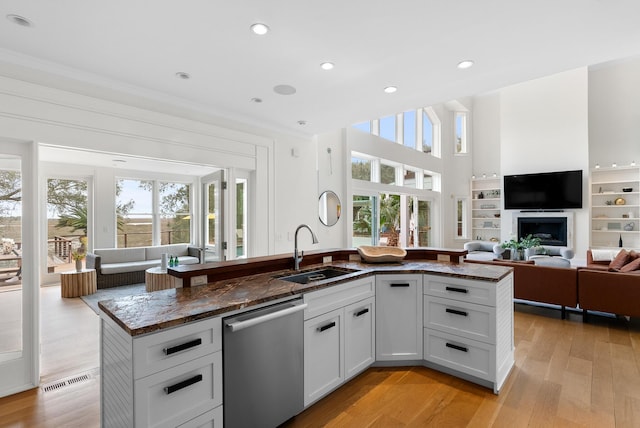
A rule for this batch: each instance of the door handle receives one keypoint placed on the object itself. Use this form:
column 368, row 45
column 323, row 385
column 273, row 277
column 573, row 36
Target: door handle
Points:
column 182, row 347
column 361, row 312
column 457, row 347
column 240, row 325
column 456, row 312
column 457, row 290
column 402, row 284
column 181, row 385
column 326, row 327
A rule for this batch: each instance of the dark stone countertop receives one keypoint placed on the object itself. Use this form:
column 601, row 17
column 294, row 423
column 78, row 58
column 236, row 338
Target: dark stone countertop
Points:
column 157, row 310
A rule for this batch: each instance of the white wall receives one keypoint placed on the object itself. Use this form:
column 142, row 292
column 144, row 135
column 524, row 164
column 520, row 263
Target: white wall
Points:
column 543, row 126
column 614, row 113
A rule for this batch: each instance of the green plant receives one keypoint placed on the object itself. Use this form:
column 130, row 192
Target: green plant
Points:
column 77, row 255
column 512, row 244
column 530, row 241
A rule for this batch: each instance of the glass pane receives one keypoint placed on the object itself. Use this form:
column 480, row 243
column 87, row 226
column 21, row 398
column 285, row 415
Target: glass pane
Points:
column 11, row 325
column 66, row 222
column 427, row 181
column 389, row 220
column 387, row 174
column 364, row 224
column 360, row 169
column 461, row 132
column 409, row 178
column 424, row 224
column 364, row 127
column 388, row 128
column 409, row 129
column 427, row 133
column 241, row 218
column 175, row 213
column 134, row 213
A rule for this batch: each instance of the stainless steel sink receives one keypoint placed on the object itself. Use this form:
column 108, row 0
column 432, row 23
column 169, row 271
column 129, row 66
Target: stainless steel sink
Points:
column 306, row 277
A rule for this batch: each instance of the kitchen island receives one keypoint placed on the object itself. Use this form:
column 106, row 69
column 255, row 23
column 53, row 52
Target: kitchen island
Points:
column 149, row 340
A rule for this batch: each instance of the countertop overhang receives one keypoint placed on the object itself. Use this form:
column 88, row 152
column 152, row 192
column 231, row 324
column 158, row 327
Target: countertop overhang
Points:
column 149, row 312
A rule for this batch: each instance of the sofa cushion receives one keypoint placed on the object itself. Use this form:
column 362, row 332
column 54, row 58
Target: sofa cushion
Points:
column 620, row 260
column 155, row 253
column 120, row 255
column 603, row 255
column 631, row 266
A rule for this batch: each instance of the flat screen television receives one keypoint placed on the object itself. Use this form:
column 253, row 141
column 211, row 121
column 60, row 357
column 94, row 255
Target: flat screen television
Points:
column 543, row 191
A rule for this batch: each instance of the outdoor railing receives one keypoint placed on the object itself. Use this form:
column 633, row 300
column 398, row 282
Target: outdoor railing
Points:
column 61, row 247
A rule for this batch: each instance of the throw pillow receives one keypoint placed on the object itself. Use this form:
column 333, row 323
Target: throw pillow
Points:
column 633, row 254
column 634, row 265
column 621, row 259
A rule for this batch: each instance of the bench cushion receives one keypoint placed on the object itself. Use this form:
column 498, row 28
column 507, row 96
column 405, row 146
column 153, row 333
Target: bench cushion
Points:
column 121, row 255
column 155, row 253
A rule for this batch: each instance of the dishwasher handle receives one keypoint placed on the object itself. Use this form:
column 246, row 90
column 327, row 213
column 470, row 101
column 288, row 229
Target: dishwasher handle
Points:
column 241, row 325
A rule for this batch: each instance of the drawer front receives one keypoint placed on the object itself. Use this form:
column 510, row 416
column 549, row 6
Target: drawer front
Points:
column 174, row 396
column 211, row 419
column 338, row 296
column 168, row 348
column 458, row 353
column 465, row 290
column 468, row 320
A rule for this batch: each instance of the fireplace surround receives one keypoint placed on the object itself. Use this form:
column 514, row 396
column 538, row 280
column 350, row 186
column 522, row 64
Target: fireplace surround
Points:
column 553, row 228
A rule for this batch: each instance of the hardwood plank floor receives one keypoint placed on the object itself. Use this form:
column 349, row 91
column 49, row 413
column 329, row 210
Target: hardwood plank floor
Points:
column 567, row 374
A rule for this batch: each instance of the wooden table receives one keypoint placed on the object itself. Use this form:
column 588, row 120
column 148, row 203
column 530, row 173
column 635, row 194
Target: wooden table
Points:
column 75, row 284
column 156, row 278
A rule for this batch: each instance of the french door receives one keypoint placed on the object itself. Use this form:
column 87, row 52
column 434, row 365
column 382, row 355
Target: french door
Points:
column 19, row 283
column 214, row 244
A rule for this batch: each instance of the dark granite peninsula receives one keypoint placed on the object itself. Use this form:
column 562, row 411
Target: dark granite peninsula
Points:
column 162, row 352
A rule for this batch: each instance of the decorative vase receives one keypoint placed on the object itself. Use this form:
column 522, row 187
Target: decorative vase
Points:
column 78, row 265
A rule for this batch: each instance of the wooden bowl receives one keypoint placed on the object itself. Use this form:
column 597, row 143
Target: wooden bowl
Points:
column 373, row 254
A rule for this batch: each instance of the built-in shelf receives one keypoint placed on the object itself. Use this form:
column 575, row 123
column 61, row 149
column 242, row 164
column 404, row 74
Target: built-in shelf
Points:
column 613, row 209
column 486, row 202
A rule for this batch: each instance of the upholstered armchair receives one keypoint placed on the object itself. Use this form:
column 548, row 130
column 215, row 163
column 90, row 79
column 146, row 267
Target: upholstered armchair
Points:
column 483, row 250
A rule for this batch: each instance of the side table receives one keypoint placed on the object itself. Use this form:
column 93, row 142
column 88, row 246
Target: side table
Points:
column 75, row 284
column 156, row 278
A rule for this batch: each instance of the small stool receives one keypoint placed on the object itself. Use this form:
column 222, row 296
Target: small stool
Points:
column 78, row 283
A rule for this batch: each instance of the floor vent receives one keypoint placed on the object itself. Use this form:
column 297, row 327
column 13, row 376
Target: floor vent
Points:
column 59, row 384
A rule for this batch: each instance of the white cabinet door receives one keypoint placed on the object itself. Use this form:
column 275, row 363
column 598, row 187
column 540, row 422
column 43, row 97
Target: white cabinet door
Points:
column 359, row 337
column 323, row 355
column 398, row 317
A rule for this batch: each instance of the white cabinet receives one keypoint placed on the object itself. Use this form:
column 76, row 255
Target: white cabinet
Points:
column 399, row 317
column 165, row 379
column 468, row 327
column 615, row 207
column 485, row 209
column 339, row 339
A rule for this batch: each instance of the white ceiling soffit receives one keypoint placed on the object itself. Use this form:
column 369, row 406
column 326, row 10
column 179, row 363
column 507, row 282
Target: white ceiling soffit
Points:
column 63, row 155
column 135, row 48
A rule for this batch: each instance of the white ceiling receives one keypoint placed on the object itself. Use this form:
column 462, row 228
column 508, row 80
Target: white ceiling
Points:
column 135, row 48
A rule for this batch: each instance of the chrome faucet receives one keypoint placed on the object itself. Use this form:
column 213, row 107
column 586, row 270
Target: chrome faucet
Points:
column 296, row 259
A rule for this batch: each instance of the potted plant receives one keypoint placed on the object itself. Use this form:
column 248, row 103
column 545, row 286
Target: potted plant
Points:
column 514, row 247
column 530, row 245
column 77, row 256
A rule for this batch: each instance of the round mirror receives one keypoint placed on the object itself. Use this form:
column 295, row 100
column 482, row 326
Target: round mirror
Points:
column 329, row 208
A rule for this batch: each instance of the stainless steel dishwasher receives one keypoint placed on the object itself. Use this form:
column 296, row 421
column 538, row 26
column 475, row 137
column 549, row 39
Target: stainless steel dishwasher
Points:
column 263, row 365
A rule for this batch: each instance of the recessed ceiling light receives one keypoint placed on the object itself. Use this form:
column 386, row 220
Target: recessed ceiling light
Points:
column 182, row 75
column 120, row 160
column 390, row 89
column 19, row 20
column 465, row 64
column 302, row 122
column 284, row 89
column 327, row 65
column 256, row 100
column 260, row 29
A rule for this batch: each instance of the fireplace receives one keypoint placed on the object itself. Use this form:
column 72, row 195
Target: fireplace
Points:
column 550, row 230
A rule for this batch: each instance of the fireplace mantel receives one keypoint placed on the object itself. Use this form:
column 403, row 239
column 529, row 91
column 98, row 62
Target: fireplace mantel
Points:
column 569, row 215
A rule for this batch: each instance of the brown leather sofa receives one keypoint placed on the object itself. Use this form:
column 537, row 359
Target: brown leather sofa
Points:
column 553, row 285
column 605, row 291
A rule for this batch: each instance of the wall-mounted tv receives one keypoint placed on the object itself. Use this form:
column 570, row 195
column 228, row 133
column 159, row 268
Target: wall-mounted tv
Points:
column 543, row 191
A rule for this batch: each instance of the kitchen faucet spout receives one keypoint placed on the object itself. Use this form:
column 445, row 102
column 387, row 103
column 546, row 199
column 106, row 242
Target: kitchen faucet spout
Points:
column 297, row 259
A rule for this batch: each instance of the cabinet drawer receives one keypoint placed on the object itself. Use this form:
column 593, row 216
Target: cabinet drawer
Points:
column 211, row 419
column 167, row 348
column 338, row 296
column 469, row 320
column 458, row 353
column 466, row 290
column 173, row 396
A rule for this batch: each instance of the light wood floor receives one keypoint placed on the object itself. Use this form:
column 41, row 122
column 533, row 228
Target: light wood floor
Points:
column 567, row 374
